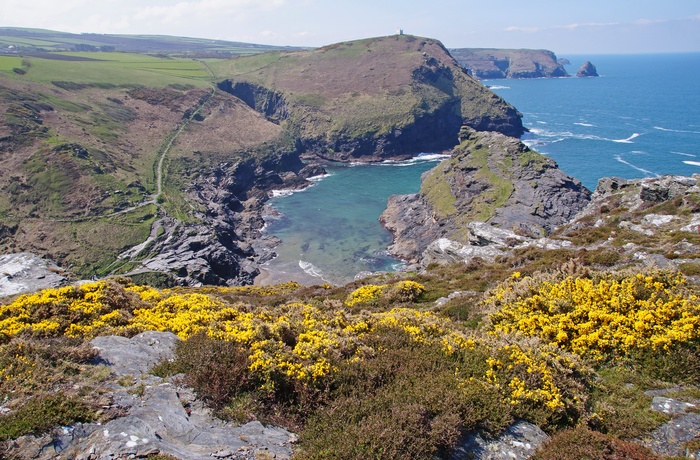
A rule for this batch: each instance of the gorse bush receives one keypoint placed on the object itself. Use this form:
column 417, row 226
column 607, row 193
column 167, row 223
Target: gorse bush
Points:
column 370, row 294
column 602, row 318
column 367, row 374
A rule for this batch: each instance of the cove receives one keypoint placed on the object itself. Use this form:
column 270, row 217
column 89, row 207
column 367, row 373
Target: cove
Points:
column 330, row 232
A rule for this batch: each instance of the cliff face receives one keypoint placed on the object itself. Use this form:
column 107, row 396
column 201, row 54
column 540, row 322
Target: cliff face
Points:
column 370, row 99
column 485, row 63
column 490, row 178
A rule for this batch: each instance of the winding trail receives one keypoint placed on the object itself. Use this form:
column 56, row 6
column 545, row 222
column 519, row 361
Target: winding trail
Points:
column 153, row 199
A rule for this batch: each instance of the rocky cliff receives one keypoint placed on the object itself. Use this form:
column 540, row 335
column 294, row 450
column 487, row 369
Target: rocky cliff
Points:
column 486, row 63
column 491, row 179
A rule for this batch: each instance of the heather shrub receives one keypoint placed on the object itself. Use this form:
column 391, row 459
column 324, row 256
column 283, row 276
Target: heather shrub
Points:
column 409, row 401
column 581, row 443
column 216, row 369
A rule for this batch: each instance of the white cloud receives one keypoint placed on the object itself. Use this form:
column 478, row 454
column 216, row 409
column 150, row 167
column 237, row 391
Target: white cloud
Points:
column 573, row 26
column 183, row 12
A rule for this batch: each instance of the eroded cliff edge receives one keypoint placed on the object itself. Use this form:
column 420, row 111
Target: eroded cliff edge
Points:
column 491, row 179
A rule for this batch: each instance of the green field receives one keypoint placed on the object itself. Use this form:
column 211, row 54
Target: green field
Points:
column 107, row 68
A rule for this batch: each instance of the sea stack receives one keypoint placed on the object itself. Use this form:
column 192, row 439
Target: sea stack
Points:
column 587, row 70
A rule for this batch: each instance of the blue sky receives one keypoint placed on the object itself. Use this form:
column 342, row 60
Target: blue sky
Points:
column 565, row 27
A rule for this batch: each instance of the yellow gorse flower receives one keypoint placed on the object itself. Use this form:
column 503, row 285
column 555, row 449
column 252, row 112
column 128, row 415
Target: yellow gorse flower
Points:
column 601, row 318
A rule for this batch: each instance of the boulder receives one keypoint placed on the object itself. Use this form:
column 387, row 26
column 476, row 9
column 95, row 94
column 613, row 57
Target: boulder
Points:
column 518, row 442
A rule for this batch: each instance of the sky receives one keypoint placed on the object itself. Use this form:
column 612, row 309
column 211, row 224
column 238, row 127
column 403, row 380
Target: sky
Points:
column 564, row 26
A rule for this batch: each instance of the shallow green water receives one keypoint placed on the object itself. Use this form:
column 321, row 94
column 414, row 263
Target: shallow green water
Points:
column 330, row 231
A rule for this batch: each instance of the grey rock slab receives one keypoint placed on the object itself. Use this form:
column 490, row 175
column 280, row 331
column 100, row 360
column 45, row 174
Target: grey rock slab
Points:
column 135, row 356
column 518, row 442
column 671, row 406
column 25, row 272
column 670, row 438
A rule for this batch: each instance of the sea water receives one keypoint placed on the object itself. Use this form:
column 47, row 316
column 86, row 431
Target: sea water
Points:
column 640, row 118
column 330, row 231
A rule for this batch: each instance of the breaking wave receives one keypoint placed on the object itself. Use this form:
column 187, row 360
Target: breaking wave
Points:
column 633, row 166
column 660, row 128
column 310, row 269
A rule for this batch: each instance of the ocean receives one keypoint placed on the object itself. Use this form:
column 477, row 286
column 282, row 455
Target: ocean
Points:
column 640, row 118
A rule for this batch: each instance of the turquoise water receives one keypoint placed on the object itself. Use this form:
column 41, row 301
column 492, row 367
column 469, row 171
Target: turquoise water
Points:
column 331, row 231
column 641, row 118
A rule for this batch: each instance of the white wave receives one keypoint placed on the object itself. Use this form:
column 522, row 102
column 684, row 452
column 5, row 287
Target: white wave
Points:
column 660, row 128
column 588, row 125
column 278, row 193
column 645, row 171
column 542, row 122
column 421, row 158
column 310, row 269
column 318, row 178
column 499, row 87
column 692, row 163
column 628, row 140
column 685, row 154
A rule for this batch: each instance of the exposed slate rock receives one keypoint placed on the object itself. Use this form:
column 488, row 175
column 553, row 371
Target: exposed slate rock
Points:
column 160, row 416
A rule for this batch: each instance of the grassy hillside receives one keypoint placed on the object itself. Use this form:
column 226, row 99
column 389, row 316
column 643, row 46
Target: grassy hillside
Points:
column 82, row 139
column 85, row 134
column 347, row 98
column 24, row 40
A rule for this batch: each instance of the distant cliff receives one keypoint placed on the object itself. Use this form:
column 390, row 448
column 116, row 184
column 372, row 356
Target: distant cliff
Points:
column 487, row 63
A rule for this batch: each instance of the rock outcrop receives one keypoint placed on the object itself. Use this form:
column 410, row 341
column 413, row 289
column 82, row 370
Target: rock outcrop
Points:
column 486, row 63
column 217, row 249
column 25, row 272
column 158, row 416
column 491, row 179
column 657, row 229
column 587, row 70
column 518, row 442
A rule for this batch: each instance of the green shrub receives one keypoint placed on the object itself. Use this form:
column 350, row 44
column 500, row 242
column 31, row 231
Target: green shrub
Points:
column 407, row 402
column 216, row 369
column 42, row 413
column 619, row 406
